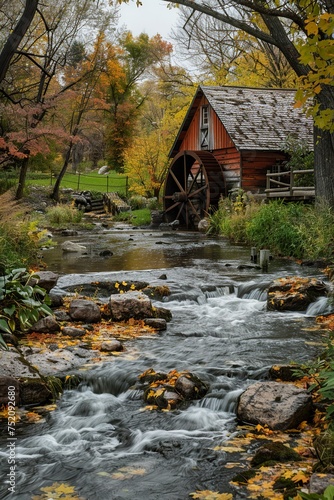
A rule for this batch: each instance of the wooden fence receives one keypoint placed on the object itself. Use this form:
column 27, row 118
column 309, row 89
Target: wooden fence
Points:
column 287, row 185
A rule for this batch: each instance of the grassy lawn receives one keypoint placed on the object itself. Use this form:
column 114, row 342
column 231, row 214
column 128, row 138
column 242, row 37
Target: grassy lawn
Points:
column 86, row 182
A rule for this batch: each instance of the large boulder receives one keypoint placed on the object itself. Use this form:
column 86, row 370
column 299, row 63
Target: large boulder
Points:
column 60, row 361
column 16, row 371
column 84, row 310
column 294, row 293
column 72, row 247
column 49, row 324
column 277, row 405
column 128, row 305
column 44, row 279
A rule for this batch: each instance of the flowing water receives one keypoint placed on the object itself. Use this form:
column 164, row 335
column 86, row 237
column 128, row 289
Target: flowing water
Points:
column 101, row 440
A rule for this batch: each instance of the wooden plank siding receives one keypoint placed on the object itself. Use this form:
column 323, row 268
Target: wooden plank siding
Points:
column 220, row 143
column 254, row 167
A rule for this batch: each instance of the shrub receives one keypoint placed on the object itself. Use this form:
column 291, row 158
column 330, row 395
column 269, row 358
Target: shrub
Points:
column 18, row 245
column 232, row 217
column 63, row 214
column 22, row 301
column 137, row 202
column 317, row 231
column 276, row 226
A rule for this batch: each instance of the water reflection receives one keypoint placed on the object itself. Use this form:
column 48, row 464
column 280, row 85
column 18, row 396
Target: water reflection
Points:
column 138, row 250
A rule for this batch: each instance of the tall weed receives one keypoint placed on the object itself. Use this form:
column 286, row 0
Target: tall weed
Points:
column 63, row 214
column 17, row 246
column 276, row 226
column 288, row 229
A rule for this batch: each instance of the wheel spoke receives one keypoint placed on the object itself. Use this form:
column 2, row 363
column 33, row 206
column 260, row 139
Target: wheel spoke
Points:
column 180, row 210
column 194, row 179
column 172, row 206
column 194, row 210
column 177, row 181
column 190, row 195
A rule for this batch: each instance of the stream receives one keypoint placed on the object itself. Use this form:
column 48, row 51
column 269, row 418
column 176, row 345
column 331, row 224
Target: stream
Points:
column 100, row 440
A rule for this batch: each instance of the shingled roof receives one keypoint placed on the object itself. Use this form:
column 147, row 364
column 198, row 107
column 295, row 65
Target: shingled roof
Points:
column 254, row 118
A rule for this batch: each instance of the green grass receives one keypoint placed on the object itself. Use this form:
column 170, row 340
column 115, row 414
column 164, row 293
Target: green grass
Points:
column 140, row 217
column 85, row 182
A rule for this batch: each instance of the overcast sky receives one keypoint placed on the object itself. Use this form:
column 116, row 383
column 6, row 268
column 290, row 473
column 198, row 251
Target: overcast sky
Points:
column 152, row 17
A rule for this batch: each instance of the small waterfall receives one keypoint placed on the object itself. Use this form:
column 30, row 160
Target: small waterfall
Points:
column 320, row 306
column 225, row 403
column 253, row 290
column 219, row 291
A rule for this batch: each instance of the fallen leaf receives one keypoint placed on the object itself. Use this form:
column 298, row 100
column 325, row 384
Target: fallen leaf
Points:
column 211, row 495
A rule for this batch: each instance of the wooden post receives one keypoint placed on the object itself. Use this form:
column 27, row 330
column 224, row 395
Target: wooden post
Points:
column 268, row 180
column 253, row 254
column 264, row 259
column 292, row 181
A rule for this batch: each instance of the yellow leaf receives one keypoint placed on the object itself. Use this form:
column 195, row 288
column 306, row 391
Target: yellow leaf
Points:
column 57, row 491
column 312, row 28
column 229, row 449
column 288, row 474
column 300, row 476
column 211, row 495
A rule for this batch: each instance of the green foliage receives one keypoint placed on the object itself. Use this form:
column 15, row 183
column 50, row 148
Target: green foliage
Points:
column 276, row 226
column 18, row 246
column 8, row 179
column 328, row 494
column 288, row 229
column 300, row 159
column 136, row 202
column 321, row 372
column 63, row 214
column 232, row 217
column 317, row 229
column 22, row 301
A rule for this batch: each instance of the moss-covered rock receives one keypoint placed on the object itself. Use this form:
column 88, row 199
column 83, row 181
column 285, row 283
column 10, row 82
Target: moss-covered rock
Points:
column 274, row 452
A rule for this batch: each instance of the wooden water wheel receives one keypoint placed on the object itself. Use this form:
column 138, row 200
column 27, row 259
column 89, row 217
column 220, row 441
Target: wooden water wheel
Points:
column 194, row 183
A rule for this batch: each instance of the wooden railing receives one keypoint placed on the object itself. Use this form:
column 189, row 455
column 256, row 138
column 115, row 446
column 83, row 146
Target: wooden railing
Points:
column 283, row 184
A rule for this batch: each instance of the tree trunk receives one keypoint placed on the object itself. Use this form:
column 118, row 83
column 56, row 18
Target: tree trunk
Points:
column 324, row 153
column 22, row 177
column 16, row 36
column 55, row 192
column 323, row 170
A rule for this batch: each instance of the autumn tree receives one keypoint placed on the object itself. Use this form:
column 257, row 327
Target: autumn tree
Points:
column 302, row 30
column 147, row 159
column 128, row 63
column 33, row 78
column 224, row 55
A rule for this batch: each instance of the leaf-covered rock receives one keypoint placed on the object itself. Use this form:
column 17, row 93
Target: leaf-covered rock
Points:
column 294, row 293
